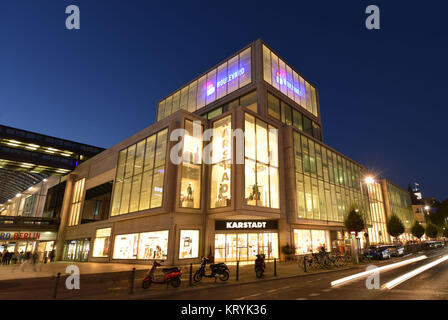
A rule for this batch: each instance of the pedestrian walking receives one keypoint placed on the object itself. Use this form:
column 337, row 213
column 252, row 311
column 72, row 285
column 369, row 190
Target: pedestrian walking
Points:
column 52, row 254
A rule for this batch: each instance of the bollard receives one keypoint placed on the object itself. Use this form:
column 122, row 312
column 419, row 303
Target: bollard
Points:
column 275, row 267
column 304, row 263
column 191, row 274
column 131, row 290
column 55, row 293
column 237, row 270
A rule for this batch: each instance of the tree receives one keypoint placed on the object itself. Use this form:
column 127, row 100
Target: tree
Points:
column 354, row 221
column 417, row 230
column 394, row 226
column 445, row 231
column 431, row 230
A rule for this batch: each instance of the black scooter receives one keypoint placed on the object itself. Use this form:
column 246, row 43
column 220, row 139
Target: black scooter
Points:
column 218, row 270
column 260, row 265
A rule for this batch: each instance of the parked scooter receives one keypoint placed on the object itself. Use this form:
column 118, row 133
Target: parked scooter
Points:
column 218, row 270
column 171, row 276
column 260, row 265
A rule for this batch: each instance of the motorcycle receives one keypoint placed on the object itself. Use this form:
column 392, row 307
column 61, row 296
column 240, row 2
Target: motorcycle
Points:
column 260, row 265
column 171, row 276
column 218, row 270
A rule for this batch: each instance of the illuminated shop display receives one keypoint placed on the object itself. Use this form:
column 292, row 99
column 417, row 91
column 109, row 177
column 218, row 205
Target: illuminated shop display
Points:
column 220, row 188
column 189, row 244
column 245, row 246
column 233, row 74
column 143, row 246
column 76, row 250
column 283, row 78
column 191, row 170
column 101, row 243
column 140, row 175
column 327, row 184
column 261, row 163
column 309, row 241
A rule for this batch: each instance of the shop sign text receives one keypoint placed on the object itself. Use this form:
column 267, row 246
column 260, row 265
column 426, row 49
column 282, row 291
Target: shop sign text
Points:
column 20, row 236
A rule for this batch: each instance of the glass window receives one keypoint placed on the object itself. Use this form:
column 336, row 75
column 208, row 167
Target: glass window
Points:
column 134, row 177
column 153, row 245
column 101, row 243
column 286, row 114
column 75, row 210
column 282, row 76
column 211, row 86
column 232, row 82
column 267, row 65
column 220, row 188
column 192, row 96
column 176, row 101
column 309, row 241
column 168, row 106
column 244, row 71
column 297, row 119
column 184, row 98
column 275, row 71
column 250, row 101
column 313, row 100
column 308, row 97
column 189, row 244
column 316, row 131
column 260, row 190
column 202, row 92
column 214, row 113
column 161, row 110
column 125, row 246
column 191, row 170
column 307, row 128
column 221, row 82
column 273, row 106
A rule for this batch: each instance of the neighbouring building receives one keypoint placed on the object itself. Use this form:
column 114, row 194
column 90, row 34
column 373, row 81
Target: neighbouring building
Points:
column 398, row 202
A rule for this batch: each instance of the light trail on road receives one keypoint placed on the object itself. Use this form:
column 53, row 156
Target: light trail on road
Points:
column 413, row 273
column 379, row 269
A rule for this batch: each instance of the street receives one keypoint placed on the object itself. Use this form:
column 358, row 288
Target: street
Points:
column 429, row 285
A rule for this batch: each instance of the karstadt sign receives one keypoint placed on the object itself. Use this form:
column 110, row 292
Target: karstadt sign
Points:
column 246, row 224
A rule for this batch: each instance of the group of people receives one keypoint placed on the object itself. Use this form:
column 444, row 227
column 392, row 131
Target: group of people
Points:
column 7, row 258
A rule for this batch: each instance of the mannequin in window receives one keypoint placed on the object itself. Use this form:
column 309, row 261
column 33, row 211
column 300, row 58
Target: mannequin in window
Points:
column 189, row 193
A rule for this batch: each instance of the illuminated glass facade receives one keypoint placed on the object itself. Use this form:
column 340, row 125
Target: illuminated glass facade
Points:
column 400, row 204
column 282, row 77
column 233, row 74
column 327, row 184
column 295, row 189
column 140, row 175
column 378, row 232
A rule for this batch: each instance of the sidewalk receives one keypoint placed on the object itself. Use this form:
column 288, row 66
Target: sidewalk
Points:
column 43, row 270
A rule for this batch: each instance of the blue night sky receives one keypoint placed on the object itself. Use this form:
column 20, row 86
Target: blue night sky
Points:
column 382, row 92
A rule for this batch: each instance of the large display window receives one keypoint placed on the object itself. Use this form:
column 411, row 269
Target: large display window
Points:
column 190, row 185
column 189, row 244
column 125, row 246
column 101, row 243
column 245, row 246
column 309, row 241
column 153, row 245
column 77, row 250
column 220, row 188
column 139, row 177
column 147, row 245
column 261, row 163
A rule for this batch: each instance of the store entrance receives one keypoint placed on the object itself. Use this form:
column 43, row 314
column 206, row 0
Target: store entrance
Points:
column 245, row 246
